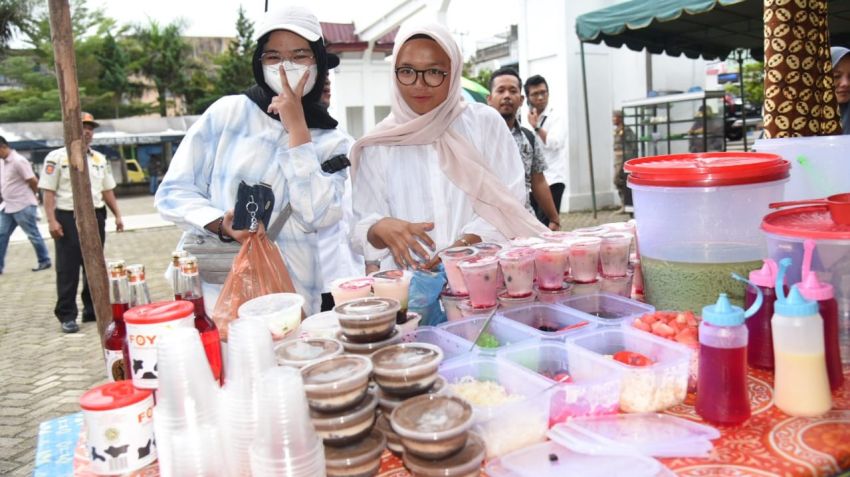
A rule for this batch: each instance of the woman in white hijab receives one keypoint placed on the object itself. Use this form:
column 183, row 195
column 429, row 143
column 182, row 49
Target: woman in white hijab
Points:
column 437, row 171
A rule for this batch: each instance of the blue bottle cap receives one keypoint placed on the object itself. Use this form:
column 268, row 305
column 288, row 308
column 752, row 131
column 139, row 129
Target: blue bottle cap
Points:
column 723, row 313
column 794, row 304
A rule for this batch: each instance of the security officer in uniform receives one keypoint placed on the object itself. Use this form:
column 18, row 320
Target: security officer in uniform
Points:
column 55, row 182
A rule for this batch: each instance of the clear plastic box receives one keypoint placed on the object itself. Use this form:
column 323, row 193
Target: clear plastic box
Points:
column 643, row 389
column 580, row 395
column 511, row 425
column 451, row 345
column 609, row 309
column 550, row 459
column 551, row 321
column 501, row 332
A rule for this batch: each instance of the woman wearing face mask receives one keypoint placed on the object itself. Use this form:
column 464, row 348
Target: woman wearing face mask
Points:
column 437, row 172
column 276, row 133
column 841, row 75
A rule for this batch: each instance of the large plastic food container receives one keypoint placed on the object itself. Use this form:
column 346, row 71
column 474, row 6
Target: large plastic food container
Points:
column 501, row 332
column 819, row 165
column 551, row 321
column 697, row 221
column 579, row 394
column 551, row 459
column 451, row 345
column 643, row 389
column 787, row 229
column 607, row 308
column 512, row 425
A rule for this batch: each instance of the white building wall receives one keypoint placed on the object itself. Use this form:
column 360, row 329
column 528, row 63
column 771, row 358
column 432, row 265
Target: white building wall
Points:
column 548, row 46
column 364, row 84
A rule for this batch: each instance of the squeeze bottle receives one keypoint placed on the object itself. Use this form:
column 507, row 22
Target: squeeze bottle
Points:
column 760, row 346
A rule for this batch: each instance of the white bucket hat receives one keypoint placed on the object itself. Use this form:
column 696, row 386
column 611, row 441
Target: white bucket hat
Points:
column 296, row 19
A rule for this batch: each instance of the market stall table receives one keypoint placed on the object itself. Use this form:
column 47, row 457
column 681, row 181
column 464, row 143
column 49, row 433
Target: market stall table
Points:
column 769, row 443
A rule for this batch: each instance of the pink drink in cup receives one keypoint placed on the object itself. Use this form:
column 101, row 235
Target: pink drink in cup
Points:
column 614, row 254
column 347, row 289
column 551, row 260
column 480, row 274
column 490, row 249
column 526, row 241
column 558, row 236
column 584, row 259
column 450, row 258
column 518, row 269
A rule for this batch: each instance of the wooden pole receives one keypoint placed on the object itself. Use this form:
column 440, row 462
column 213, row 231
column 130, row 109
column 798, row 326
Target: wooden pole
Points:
column 66, row 76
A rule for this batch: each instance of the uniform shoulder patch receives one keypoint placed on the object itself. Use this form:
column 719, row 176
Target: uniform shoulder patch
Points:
column 50, row 168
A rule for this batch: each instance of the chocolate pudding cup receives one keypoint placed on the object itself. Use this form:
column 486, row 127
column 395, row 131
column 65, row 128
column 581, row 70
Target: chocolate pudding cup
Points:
column 465, row 463
column 406, row 369
column 366, row 320
column 336, row 383
column 301, row 352
column 432, row 426
column 360, row 459
column 346, row 427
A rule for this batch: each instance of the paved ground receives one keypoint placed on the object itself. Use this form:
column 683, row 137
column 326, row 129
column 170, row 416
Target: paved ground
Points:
column 42, row 371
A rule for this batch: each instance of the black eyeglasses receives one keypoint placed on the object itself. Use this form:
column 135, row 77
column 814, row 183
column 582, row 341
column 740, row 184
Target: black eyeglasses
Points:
column 432, row 77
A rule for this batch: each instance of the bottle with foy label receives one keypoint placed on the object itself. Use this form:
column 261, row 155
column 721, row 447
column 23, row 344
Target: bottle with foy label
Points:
column 115, row 339
column 824, row 294
column 722, row 395
column 191, row 291
column 801, row 385
column 139, row 293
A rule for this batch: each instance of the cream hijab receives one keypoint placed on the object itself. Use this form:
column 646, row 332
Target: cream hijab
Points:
column 462, row 163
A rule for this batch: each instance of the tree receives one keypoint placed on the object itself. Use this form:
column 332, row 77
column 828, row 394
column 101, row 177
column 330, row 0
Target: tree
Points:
column 14, row 15
column 114, row 61
column 163, row 57
column 753, row 83
column 236, row 73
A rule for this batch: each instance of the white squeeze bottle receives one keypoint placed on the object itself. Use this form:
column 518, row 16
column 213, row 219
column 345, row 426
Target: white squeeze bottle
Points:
column 801, row 383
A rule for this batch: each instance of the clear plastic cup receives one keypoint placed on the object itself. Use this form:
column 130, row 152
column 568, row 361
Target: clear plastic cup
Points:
column 518, row 268
column 393, row 284
column 249, row 353
column 490, row 249
column 450, row 258
column 450, row 305
column 596, row 231
column 281, row 312
column 347, row 289
column 468, row 310
column 284, row 430
column 584, row 259
column 559, row 236
column 618, row 285
column 551, row 297
column 551, row 261
column 480, row 275
column 614, row 254
column 507, row 301
column 309, row 464
column 193, row 450
column 526, row 241
column 187, row 389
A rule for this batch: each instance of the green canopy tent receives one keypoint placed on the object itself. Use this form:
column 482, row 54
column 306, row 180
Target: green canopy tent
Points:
column 713, row 29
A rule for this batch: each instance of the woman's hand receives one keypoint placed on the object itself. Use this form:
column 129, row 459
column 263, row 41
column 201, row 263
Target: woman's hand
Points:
column 288, row 106
column 238, row 235
column 402, row 237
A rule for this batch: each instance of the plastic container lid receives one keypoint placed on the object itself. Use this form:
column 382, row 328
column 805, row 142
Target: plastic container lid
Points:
column 766, row 275
column 707, row 169
column 109, row 396
column 159, row 312
column 352, row 455
column 270, row 305
column 538, row 461
column 367, row 308
column 432, row 425
column 813, row 222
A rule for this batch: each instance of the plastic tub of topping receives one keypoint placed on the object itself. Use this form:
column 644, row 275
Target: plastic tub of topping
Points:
column 406, row 369
column 466, row 463
column 451, row 345
column 609, row 309
column 499, row 333
column 551, row 321
column 654, row 370
column 368, row 348
column 579, row 394
column 301, row 352
column 365, row 320
column 360, row 459
column 336, row 383
column 551, row 459
column 432, row 426
column 511, row 403
column 346, row 427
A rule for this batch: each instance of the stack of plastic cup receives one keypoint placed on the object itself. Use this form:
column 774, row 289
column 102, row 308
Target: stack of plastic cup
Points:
column 285, row 442
column 249, row 355
column 186, row 414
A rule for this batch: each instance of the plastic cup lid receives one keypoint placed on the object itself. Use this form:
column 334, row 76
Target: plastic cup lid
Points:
column 478, row 261
column 812, row 222
column 517, row 253
column 392, row 276
column 159, row 312
column 707, row 169
column 111, row 396
column 353, row 283
column 458, row 253
column 643, row 431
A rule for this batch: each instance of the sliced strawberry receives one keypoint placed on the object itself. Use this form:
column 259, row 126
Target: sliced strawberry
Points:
column 641, row 325
column 630, row 358
column 663, row 329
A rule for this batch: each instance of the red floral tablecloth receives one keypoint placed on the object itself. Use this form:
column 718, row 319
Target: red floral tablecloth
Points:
column 770, row 443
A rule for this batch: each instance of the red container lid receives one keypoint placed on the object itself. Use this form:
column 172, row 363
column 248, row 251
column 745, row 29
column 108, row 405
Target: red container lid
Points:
column 707, row 169
column 109, row 396
column 159, row 312
column 809, row 222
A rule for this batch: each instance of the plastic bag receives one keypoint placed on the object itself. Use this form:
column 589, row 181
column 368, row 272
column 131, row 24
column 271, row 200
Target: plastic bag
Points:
column 258, row 270
column 425, row 289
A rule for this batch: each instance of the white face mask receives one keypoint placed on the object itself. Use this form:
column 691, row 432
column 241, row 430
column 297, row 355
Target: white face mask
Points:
column 294, row 72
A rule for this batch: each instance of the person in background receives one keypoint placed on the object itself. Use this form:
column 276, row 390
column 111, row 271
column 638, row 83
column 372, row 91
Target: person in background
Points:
column 706, row 123
column 548, row 125
column 19, row 204
column 506, row 98
column 276, row 132
column 154, row 171
column 437, row 172
column 55, row 183
column 625, row 148
column 841, row 75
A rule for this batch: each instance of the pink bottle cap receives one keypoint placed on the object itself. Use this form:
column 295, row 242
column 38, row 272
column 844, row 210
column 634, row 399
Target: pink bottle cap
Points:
column 815, row 290
column 766, row 275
